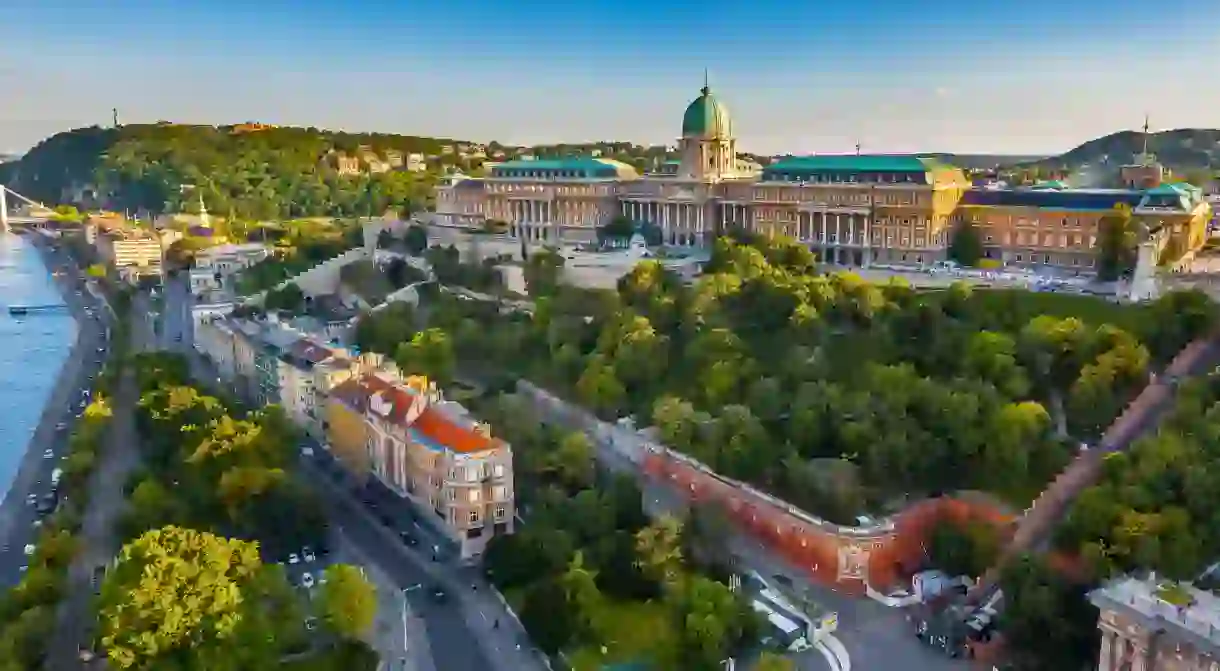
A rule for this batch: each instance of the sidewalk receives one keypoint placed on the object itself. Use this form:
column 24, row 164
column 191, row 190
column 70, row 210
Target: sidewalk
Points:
column 398, row 635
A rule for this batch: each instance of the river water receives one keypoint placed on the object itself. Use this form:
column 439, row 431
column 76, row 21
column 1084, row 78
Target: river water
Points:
column 32, row 349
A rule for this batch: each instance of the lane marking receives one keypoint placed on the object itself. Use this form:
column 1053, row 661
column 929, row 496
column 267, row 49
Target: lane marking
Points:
column 837, row 648
column 831, row 660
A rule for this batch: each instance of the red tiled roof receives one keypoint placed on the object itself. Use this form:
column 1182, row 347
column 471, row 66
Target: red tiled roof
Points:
column 355, row 393
column 310, row 351
column 438, row 428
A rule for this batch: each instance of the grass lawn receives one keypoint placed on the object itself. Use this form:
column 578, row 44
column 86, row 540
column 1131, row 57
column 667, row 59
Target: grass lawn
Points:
column 631, row 632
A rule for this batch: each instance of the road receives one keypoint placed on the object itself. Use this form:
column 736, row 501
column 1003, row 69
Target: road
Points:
column 18, row 517
column 119, row 457
column 469, row 630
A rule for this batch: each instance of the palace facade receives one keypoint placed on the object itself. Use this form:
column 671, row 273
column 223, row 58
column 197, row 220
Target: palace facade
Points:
column 850, row 209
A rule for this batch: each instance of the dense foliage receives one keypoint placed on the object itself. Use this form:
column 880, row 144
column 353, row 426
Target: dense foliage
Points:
column 591, row 571
column 213, row 468
column 274, row 173
column 839, row 395
column 190, row 589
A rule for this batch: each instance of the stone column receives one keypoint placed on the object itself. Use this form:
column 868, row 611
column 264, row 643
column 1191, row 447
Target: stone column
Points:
column 1139, row 658
column 1106, row 657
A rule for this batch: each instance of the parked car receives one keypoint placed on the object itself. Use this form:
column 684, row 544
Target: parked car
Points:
column 294, row 559
column 308, row 555
column 307, row 581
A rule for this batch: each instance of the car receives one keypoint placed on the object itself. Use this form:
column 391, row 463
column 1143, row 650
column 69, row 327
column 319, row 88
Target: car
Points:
column 439, row 594
column 307, row 581
column 31, row 499
column 48, row 454
column 62, row 426
column 24, row 568
column 294, row 559
column 311, row 623
column 308, row 555
column 101, row 350
column 408, row 538
column 29, row 549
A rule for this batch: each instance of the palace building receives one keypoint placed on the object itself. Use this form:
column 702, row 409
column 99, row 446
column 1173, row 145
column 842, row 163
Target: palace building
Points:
column 852, row 210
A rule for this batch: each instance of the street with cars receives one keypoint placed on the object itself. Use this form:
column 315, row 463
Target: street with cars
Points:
column 450, row 609
column 37, row 482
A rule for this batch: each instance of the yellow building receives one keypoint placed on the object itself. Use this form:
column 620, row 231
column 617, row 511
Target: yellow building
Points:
column 347, row 430
column 852, row 210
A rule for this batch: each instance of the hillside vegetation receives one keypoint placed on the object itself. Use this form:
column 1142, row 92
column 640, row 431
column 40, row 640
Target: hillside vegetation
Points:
column 269, row 174
column 1191, row 153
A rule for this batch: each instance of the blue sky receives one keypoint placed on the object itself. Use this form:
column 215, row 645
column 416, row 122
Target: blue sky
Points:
column 799, row 76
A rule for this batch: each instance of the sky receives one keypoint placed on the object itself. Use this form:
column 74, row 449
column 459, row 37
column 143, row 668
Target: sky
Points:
column 987, row 76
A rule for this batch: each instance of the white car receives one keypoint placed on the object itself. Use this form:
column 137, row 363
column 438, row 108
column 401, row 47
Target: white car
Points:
column 29, row 550
column 294, row 559
column 48, row 454
column 308, row 555
column 307, row 581
column 31, row 499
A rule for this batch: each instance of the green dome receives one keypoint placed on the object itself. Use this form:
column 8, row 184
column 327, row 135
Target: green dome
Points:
column 706, row 117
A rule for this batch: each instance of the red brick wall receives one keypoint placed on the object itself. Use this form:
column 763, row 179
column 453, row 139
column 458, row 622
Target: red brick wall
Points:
column 893, row 552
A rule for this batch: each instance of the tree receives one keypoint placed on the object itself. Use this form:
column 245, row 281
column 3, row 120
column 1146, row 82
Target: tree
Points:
column 968, row 548
column 347, row 600
column 572, row 463
column 712, row 622
column 966, row 246
column 1117, row 240
column 617, row 231
column 543, row 271
column 1047, row 621
column 429, row 352
column 179, row 593
column 659, row 546
column 96, row 271
column 547, row 613
column 415, row 239
column 290, row 298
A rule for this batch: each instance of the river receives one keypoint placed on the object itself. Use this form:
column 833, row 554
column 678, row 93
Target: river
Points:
column 32, row 349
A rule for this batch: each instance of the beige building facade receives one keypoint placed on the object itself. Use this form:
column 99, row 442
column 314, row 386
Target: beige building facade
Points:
column 1155, row 625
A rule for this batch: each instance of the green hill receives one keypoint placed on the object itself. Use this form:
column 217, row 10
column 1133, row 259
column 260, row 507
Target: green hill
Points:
column 265, row 173
column 1187, row 152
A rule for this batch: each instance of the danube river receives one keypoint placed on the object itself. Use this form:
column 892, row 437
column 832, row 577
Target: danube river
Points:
column 32, row 349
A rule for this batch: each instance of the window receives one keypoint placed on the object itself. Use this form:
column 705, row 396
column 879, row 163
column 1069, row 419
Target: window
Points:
column 499, row 492
column 471, row 474
column 473, row 517
column 500, row 513
column 472, row 496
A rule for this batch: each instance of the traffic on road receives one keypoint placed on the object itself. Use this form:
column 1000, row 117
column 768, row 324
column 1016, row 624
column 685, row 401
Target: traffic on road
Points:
column 38, row 481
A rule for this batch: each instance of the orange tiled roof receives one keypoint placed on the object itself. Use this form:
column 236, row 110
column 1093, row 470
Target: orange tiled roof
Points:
column 435, row 426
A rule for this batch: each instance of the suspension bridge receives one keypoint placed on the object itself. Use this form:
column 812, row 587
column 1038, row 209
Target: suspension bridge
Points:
column 24, row 212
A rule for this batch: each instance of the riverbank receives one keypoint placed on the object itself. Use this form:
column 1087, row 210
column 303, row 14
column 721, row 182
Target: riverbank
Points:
column 15, row 514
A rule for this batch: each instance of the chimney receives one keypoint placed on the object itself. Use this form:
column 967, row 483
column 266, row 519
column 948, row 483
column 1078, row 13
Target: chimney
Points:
column 483, row 429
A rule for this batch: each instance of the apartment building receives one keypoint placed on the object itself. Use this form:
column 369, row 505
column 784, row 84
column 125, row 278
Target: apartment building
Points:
column 429, row 451
column 214, row 267
column 132, row 253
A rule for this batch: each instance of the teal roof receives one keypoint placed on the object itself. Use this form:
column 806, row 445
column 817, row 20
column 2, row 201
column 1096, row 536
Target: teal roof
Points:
column 1174, row 189
column 1052, row 184
column 586, row 167
column 852, row 163
column 706, row 117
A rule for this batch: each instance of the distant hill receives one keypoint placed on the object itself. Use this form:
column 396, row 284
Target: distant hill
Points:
column 983, row 161
column 1183, row 151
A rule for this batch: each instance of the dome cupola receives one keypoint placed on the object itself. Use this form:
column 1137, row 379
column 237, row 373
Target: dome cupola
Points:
column 706, row 117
